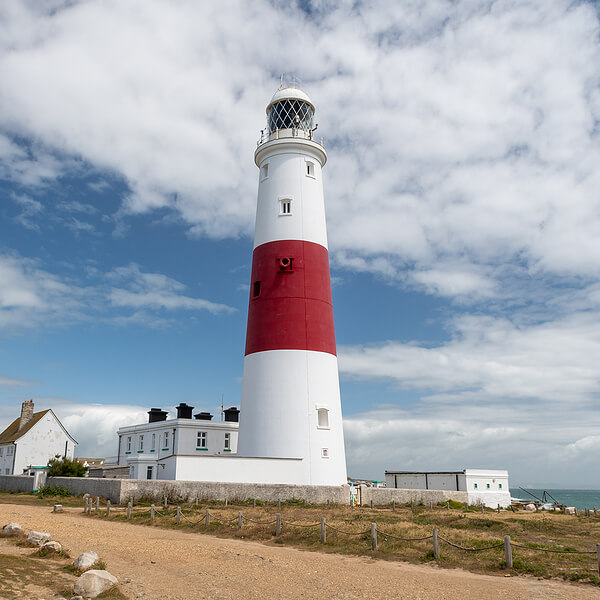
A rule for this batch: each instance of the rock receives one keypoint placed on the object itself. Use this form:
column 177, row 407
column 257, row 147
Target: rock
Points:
column 51, row 546
column 76, row 597
column 570, row 510
column 57, row 508
column 86, row 560
column 11, row 529
column 93, row 583
column 530, row 507
column 38, row 538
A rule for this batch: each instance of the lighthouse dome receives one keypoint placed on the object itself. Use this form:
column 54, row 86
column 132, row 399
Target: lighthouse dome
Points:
column 290, row 108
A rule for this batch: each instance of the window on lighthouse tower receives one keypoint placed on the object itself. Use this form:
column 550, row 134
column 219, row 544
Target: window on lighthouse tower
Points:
column 286, row 207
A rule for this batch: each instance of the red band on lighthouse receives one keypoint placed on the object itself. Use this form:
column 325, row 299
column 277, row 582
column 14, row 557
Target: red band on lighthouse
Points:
column 290, row 298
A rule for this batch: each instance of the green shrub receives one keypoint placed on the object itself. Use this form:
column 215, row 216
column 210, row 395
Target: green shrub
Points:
column 53, row 490
column 61, row 466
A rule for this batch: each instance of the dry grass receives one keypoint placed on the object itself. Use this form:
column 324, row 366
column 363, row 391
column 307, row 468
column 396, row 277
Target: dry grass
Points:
column 471, row 529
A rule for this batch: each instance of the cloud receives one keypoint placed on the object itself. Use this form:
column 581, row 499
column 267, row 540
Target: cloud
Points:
column 157, row 291
column 13, row 382
column 30, row 208
column 33, row 297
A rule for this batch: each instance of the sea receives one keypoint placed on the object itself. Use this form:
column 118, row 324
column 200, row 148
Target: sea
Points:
column 577, row 498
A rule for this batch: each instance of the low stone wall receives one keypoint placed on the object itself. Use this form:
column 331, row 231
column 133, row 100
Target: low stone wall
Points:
column 188, row 491
column 16, row 483
column 106, row 488
column 388, row 495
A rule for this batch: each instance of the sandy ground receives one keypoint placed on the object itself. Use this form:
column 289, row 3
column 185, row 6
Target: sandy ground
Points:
column 164, row 564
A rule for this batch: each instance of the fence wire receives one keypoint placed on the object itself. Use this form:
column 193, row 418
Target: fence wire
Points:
column 499, row 545
column 403, row 539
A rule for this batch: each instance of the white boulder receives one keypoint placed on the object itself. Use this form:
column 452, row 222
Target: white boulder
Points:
column 570, row 510
column 530, row 507
column 11, row 529
column 51, row 546
column 86, row 560
column 93, row 583
column 38, row 538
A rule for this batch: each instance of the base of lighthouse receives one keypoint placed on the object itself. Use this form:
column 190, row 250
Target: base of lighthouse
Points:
column 291, row 408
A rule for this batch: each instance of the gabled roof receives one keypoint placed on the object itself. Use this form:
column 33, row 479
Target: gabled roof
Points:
column 12, row 432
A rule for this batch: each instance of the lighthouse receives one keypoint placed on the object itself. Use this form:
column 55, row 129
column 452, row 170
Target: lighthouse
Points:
column 290, row 392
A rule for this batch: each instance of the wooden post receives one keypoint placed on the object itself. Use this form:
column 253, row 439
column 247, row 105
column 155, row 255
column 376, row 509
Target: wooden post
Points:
column 498, row 508
column 595, row 512
column 508, row 552
column 253, row 502
column 373, row 536
column 107, row 508
column 278, row 504
column 431, row 505
column 564, row 510
column 448, row 505
column 598, row 555
column 466, row 506
column 97, row 503
column 412, row 505
column 393, row 506
column 277, row 524
column 436, row 544
column 371, row 503
column 152, row 512
column 225, row 501
column 323, row 531
column 207, row 517
column 482, row 509
column 178, row 517
column 240, row 519
column 165, row 502
column 129, row 510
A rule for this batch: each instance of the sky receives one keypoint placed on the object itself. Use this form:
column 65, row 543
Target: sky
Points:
column 463, row 213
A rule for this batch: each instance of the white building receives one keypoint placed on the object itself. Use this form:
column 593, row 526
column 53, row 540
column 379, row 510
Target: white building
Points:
column 32, row 440
column 164, row 449
column 486, row 487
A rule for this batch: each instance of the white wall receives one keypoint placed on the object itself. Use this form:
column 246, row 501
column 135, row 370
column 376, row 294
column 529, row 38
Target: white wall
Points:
column 42, row 442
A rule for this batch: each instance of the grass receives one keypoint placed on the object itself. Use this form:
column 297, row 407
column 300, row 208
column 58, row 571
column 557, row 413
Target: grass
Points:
column 471, row 529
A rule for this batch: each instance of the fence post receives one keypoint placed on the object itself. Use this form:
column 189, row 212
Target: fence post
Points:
column 165, row 502
column 207, row 517
column 393, row 506
column 431, row 505
column 152, row 512
column 225, row 501
column 373, row 536
column 508, row 552
column 498, row 507
column 448, row 505
column 412, row 505
column 240, row 519
column 129, row 510
column 277, row 524
column 323, row 531
column 107, row 508
column 178, row 517
column 466, row 506
column 253, row 502
column 482, row 509
column 97, row 503
column 371, row 503
column 598, row 555
column 436, row 544
column 278, row 504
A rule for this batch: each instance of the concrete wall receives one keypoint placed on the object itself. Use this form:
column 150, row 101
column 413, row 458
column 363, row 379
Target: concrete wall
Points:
column 16, row 483
column 387, row 495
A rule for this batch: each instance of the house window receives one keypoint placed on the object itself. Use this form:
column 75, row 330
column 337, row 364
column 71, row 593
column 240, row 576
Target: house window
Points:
column 201, row 440
column 10, row 451
column 166, row 438
column 1, row 451
column 7, row 471
column 323, row 418
column 256, row 289
column 153, row 443
column 499, row 486
column 227, row 442
column 141, row 444
column 264, row 171
column 310, row 168
column 148, row 472
column 475, row 485
column 129, row 444
column 285, row 207
column 324, row 452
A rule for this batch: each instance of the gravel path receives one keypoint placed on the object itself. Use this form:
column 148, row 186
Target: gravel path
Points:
column 163, row 564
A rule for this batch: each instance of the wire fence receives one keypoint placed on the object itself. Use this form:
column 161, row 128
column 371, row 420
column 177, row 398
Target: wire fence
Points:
column 376, row 535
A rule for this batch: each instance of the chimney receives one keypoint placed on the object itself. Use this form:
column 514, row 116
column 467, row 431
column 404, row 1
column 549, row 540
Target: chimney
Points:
column 184, row 411
column 232, row 414
column 157, row 414
column 26, row 413
column 203, row 416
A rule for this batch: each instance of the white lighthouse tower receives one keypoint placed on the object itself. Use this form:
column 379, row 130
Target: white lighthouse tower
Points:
column 290, row 393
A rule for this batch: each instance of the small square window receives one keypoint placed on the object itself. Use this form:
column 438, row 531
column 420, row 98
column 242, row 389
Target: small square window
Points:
column 310, row 168
column 149, row 473
column 324, row 452
column 286, row 207
column 256, row 289
column 201, row 439
column 227, row 442
column 323, row 418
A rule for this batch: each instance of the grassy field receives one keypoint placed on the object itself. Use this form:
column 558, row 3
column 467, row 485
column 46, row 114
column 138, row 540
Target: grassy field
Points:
column 300, row 527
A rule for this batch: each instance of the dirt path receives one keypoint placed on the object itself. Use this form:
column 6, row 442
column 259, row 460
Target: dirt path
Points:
column 163, row 564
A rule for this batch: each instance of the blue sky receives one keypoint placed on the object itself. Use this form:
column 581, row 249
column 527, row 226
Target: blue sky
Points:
column 462, row 202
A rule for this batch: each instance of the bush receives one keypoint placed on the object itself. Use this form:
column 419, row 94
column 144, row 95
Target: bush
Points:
column 52, row 491
column 61, row 466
